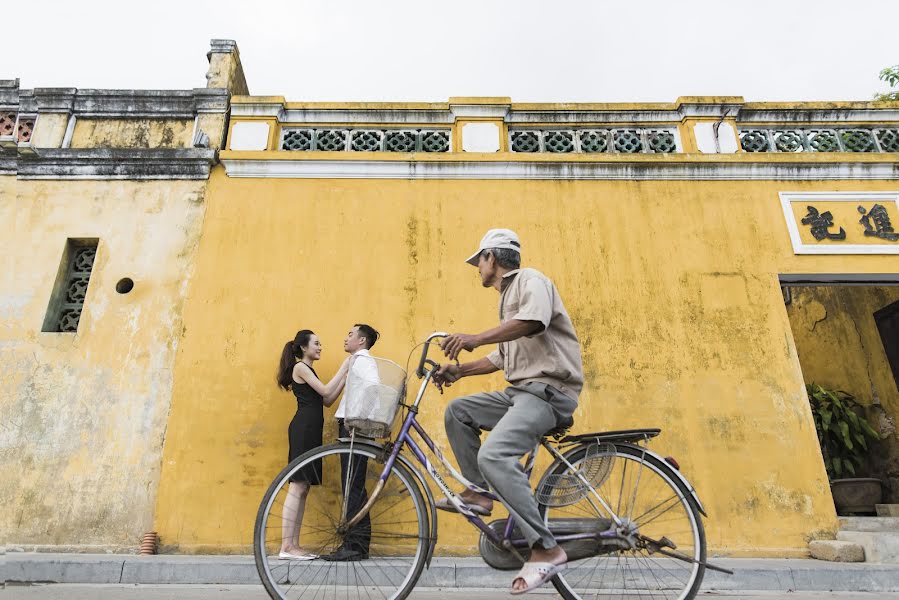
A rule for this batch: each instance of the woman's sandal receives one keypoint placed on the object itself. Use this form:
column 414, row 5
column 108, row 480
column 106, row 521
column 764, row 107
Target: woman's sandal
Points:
column 535, row 574
column 290, row 556
column 445, row 504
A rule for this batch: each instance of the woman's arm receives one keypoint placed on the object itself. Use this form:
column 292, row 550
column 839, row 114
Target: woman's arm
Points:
column 339, row 381
column 330, row 391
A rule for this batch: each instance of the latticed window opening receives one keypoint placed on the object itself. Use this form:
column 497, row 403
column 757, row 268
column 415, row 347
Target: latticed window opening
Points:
column 67, row 302
column 888, row 139
column 592, row 141
column 7, row 123
column 366, row 140
column 25, row 129
column 661, row 141
column 820, row 140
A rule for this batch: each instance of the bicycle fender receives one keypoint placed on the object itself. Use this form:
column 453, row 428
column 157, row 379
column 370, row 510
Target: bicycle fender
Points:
column 675, row 472
column 432, row 505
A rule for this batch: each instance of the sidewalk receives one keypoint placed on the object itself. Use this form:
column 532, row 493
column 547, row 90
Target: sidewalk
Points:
column 750, row 574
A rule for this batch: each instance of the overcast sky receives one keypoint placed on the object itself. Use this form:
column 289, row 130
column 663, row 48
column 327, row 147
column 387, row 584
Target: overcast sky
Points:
column 415, row 50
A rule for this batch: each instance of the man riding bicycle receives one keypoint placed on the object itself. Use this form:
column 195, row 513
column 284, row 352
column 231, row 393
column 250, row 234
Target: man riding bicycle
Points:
column 540, row 355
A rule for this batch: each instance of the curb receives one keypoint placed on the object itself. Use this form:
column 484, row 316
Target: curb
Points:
column 749, row 574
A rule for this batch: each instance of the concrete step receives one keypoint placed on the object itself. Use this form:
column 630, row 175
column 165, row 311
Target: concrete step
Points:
column 836, row 551
column 887, row 510
column 872, row 524
column 880, row 546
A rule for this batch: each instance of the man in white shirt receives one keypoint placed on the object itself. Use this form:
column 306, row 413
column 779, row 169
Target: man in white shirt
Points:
column 363, row 370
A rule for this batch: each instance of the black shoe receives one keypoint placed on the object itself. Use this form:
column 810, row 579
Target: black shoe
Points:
column 344, row 554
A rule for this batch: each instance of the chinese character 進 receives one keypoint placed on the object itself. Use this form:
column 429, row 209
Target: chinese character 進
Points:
column 821, row 223
column 882, row 227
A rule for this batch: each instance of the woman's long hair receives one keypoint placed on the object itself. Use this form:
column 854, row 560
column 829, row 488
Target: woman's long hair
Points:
column 292, row 352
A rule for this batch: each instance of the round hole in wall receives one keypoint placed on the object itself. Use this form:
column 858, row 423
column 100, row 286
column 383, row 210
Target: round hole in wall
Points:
column 124, row 285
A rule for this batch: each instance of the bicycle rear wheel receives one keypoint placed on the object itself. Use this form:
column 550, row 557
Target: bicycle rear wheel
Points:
column 396, row 532
column 641, row 490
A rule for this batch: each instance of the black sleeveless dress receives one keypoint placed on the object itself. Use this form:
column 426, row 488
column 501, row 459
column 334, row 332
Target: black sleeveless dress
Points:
column 305, row 430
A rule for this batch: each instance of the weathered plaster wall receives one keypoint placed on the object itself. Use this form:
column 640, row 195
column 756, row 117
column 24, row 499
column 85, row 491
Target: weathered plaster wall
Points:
column 840, row 348
column 50, row 130
column 133, row 133
column 673, row 288
column 226, row 71
column 84, row 414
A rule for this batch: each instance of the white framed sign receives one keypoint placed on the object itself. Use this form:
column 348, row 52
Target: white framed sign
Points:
column 842, row 222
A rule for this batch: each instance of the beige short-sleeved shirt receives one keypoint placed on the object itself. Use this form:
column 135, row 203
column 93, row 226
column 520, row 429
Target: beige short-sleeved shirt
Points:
column 551, row 356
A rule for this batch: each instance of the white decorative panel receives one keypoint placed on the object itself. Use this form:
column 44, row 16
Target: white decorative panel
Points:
column 246, row 135
column 480, row 137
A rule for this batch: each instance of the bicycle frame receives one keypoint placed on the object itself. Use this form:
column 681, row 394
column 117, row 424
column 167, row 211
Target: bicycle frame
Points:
column 404, row 438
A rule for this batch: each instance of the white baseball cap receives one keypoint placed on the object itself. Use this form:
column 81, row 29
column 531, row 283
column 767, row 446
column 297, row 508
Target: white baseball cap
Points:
column 496, row 238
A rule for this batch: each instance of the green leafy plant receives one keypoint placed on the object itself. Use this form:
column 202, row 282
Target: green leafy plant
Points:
column 842, row 432
column 891, row 76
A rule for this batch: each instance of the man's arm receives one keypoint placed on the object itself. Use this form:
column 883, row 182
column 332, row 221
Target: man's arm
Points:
column 511, row 330
column 449, row 373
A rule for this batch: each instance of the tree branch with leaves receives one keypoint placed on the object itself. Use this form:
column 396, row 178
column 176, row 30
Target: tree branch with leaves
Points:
column 891, row 76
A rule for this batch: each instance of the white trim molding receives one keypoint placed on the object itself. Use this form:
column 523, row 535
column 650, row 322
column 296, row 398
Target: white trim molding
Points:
column 799, row 247
column 631, row 169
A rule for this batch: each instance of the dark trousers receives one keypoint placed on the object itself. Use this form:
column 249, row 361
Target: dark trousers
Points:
column 359, row 537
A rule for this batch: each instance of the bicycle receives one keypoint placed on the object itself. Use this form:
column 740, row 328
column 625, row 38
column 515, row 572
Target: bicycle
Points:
column 629, row 521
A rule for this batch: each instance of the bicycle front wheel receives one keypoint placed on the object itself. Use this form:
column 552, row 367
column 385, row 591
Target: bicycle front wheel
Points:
column 667, row 546
column 379, row 558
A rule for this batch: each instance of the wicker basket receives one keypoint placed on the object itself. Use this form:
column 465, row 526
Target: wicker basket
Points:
column 374, row 389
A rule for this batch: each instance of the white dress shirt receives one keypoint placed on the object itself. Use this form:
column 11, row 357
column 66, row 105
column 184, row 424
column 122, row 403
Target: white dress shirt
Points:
column 363, row 373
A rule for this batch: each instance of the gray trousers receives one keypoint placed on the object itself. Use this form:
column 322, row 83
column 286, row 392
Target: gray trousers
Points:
column 517, row 418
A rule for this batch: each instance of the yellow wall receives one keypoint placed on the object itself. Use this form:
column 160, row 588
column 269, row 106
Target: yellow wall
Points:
column 672, row 286
column 84, row 414
column 840, row 348
column 133, row 133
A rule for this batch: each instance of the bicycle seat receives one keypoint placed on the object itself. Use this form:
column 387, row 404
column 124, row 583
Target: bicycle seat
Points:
column 561, row 428
column 622, row 435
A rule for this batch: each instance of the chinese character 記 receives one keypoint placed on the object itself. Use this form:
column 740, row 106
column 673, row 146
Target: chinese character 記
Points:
column 882, row 227
column 821, row 223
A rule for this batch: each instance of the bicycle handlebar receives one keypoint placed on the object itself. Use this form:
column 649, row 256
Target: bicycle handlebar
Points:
column 420, row 371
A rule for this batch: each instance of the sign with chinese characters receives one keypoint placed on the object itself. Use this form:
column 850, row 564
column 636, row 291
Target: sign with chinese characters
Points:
column 842, row 222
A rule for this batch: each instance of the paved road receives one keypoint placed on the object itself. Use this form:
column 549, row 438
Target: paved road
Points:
column 252, row 592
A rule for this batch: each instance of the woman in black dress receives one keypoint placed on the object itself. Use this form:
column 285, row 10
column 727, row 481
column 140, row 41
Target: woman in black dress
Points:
column 295, row 373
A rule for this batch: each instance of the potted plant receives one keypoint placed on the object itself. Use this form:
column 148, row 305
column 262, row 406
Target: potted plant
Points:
column 844, row 434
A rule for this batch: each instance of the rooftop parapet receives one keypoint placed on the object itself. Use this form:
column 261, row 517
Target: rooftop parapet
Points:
column 690, row 125
column 714, row 137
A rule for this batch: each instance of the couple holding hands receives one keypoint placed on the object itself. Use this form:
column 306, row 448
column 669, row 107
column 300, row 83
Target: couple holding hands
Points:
column 539, row 353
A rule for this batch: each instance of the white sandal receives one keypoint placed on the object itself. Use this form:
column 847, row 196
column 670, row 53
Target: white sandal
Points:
column 535, row 574
column 288, row 556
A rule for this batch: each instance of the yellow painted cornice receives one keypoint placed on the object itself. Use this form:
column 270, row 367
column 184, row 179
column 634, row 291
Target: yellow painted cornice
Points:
column 840, row 105
column 593, row 106
column 709, row 100
column 501, row 100
column 571, row 106
column 367, row 105
column 257, row 99
column 339, row 105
